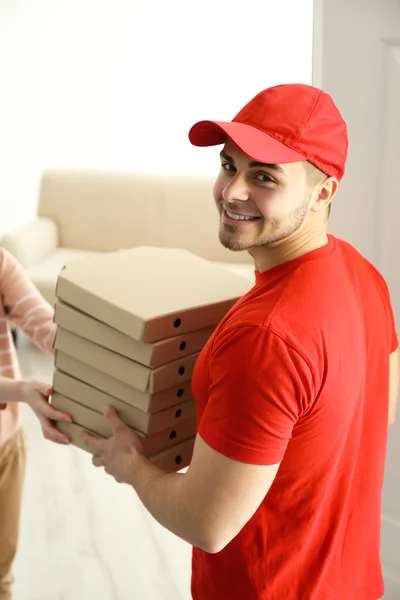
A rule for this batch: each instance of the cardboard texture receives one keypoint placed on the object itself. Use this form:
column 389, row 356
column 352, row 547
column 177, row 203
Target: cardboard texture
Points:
column 151, row 293
column 145, row 401
column 122, row 368
column 97, row 423
column 141, row 421
column 152, row 355
column 176, row 458
column 171, row 460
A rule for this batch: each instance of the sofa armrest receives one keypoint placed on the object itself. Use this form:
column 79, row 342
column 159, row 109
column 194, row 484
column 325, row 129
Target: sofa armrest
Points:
column 31, row 243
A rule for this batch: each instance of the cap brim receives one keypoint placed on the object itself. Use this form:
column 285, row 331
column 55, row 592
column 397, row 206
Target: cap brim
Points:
column 251, row 141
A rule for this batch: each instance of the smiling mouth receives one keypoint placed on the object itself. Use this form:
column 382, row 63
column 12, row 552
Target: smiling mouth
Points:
column 237, row 217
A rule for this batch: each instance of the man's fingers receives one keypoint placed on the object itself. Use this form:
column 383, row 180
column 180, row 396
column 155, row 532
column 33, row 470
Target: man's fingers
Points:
column 97, row 461
column 94, row 444
column 48, row 411
column 112, row 417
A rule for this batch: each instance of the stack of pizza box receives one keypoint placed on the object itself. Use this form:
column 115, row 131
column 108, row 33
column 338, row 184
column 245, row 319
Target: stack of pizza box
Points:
column 130, row 326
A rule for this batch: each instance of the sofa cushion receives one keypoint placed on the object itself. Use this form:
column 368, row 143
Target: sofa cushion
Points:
column 244, row 269
column 33, row 242
column 44, row 274
column 105, row 210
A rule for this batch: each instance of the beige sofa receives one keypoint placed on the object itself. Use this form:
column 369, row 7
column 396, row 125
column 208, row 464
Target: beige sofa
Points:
column 82, row 212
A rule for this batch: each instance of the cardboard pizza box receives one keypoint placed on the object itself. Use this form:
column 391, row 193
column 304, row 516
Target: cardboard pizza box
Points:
column 97, row 423
column 96, row 400
column 176, row 458
column 145, row 401
column 151, row 293
column 171, row 460
column 124, row 369
column 152, row 355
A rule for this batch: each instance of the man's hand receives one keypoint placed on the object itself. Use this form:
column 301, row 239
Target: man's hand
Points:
column 119, row 454
column 36, row 395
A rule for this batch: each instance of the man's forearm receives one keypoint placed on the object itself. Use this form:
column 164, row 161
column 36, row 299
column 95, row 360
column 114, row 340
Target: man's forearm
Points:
column 164, row 496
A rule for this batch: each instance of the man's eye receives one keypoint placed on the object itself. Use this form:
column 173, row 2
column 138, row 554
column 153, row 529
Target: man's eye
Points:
column 264, row 177
column 227, row 167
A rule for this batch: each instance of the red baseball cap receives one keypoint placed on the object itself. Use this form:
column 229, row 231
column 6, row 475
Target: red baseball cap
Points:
column 283, row 124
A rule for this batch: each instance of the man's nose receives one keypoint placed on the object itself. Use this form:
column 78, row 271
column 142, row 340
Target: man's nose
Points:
column 237, row 190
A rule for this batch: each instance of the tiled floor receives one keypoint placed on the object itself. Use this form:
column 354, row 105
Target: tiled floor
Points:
column 83, row 536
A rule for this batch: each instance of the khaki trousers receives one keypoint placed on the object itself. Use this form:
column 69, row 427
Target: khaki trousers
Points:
column 12, row 475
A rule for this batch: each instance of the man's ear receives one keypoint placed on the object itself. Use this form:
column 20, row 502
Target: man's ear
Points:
column 324, row 194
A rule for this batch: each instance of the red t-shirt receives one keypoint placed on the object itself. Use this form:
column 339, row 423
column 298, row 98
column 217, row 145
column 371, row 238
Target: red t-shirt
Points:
column 298, row 373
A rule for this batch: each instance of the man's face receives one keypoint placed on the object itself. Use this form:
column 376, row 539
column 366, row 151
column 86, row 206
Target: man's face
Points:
column 259, row 204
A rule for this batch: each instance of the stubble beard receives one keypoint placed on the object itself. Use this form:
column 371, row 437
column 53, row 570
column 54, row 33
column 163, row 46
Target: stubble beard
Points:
column 234, row 238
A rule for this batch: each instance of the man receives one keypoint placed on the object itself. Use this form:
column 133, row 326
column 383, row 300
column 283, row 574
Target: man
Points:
column 296, row 386
column 21, row 302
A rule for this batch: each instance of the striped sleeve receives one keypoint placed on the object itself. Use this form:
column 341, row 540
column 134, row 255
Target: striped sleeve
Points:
column 24, row 305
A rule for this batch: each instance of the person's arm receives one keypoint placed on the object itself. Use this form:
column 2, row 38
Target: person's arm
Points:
column 15, row 390
column 207, row 506
column 24, row 304
column 35, row 394
column 256, row 397
column 394, row 385
column 10, row 391
column 211, row 503
column 27, row 308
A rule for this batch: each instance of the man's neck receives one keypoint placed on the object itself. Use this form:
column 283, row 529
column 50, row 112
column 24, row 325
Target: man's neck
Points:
column 287, row 249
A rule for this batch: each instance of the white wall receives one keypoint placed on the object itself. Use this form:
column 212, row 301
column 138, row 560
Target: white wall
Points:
column 362, row 73
column 118, row 83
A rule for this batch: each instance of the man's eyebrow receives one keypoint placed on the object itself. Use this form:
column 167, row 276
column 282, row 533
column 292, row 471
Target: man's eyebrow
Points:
column 261, row 165
column 254, row 164
column 226, row 156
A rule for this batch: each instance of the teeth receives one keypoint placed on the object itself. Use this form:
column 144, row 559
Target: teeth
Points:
column 239, row 217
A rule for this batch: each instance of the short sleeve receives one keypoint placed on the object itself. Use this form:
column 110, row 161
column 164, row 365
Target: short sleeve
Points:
column 259, row 389
column 394, row 343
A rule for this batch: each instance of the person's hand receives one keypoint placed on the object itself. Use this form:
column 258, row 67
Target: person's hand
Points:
column 36, row 395
column 119, row 454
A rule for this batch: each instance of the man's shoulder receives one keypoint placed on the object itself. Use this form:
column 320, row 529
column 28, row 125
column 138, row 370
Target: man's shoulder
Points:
column 365, row 265
column 346, row 250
